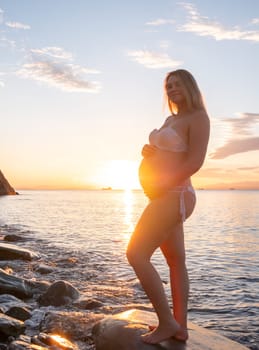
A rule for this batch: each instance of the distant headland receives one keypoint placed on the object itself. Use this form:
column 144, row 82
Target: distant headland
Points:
column 5, row 187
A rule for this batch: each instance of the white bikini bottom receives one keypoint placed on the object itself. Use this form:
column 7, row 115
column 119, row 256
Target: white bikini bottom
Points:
column 182, row 190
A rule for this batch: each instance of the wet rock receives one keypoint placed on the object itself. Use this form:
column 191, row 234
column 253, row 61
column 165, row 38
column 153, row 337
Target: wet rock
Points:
column 21, row 345
column 7, row 301
column 5, row 187
column 56, row 340
column 73, row 325
column 123, row 331
column 20, row 313
column 59, row 293
column 11, row 251
column 13, row 238
column 10, row 326
column 44, row 269
column 88, row 304
column 14, row 307
column 20, row 287
column 13, row 285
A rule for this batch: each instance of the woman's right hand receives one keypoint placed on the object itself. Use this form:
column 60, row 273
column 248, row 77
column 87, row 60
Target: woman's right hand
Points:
column 148, row 150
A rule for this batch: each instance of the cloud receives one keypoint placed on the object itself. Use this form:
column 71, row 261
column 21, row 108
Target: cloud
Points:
column 17, row 25
column 2, row 84
column 203, row 26
column 64, row 76
column 243, row 139
column 160, row 22
column 53, row 51
column 242, row 126
column 236, row 146
column 54, row 66
column 153, row 60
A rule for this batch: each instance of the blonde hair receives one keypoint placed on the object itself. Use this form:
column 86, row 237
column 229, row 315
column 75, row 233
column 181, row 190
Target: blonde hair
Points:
column 191, row 91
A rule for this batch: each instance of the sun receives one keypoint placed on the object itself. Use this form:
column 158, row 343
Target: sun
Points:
column 119, row 174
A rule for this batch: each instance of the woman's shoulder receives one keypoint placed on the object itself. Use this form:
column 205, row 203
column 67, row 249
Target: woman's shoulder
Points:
column 199, row 116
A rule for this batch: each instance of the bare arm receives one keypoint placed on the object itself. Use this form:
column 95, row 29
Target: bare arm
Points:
column 198, row 141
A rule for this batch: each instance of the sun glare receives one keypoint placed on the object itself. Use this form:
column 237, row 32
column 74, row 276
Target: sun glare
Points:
column 119, row 174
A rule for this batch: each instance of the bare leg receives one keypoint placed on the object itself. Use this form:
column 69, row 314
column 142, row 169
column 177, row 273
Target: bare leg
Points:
column 151, row 231
column 174, row 252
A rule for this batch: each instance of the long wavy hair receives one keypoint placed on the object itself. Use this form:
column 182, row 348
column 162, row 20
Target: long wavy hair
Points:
column 191, row 91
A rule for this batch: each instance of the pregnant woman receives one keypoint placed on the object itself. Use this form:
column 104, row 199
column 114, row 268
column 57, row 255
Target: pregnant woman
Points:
column 175, row 152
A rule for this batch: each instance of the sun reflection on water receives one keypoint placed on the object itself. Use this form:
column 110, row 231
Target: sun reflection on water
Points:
column 128, row 209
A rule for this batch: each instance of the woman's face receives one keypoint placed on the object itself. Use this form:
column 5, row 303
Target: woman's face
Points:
column 175, row 90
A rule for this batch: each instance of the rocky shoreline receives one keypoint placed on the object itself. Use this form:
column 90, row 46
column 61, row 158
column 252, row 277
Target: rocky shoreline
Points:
column 44, row 311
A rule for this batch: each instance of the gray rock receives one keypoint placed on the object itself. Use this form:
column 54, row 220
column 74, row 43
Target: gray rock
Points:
column 59, row 293
column 11, row 251
column 7, row 301
column 44, row 269
column 88, row 304
column 5, row 187
column 56, row 340
column 20, row 287
column 14, row 307
column 18, row 312
column 10, row 326
column 122, row 332
column 74, row 325
column 21, row 345
column 13, row 238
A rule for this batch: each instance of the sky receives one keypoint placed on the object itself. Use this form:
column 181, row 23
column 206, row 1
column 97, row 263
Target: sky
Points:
column 81, row 87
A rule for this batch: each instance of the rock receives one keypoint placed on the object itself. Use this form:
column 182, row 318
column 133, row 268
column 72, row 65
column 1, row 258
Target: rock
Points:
column 11, row 251
column 10, row 326
column 13, row 238
column 56, row 340
column 74, row 325
column 122, row 332
column 88, row 304
column 59, row 293
column 44, row 269
column 5, row 187
column 20, row 287
column 7, row 301
column 20, row 313
column 13, row 285
column 21, row 345
column 14, row 307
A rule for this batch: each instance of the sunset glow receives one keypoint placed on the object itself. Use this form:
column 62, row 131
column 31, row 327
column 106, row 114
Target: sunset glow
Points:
column 119, row 174
column 75, row 114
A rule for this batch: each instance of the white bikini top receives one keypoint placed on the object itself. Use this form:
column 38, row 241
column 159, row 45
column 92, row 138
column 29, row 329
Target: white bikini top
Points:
column 167, row 139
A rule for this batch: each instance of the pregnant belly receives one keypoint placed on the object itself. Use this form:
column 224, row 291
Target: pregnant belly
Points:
column 154, row 170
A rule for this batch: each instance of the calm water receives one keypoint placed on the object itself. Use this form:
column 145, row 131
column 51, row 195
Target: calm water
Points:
column 222, row 239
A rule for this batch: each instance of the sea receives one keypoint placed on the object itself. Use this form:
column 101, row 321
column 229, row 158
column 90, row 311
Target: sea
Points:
column 93, row 227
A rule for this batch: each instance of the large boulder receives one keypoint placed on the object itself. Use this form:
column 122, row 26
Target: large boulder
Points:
column 59, row 293
column 5, row 187
column 123, row 332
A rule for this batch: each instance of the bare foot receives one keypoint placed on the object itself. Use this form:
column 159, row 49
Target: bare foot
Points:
column 161, row 333
column 180, row 335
